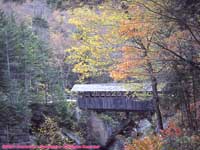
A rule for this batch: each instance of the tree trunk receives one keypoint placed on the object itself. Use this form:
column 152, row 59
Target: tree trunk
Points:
column 7, row 55
column 8, row 66
column 156, row 102
column 155, row 96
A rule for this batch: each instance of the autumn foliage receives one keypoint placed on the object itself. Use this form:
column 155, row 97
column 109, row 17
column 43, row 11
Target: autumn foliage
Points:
column 171, row 138
column 138, row 33
column 148, row 143
column 171, row 131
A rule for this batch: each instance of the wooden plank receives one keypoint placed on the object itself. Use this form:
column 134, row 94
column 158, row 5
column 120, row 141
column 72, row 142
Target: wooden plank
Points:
column 115, row 104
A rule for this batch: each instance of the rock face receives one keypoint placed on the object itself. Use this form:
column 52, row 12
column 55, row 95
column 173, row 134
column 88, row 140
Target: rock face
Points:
column 118, row 144
column 72, row 136
column 144, row 126
column 77, row 113
column 97, row 130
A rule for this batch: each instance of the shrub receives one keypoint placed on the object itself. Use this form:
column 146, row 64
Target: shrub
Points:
column 171, row 131
column 175, row 139
column 153, row 142
column 49, row 133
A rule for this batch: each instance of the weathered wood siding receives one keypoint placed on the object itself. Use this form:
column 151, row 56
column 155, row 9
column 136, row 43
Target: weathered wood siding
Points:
column 114, row 104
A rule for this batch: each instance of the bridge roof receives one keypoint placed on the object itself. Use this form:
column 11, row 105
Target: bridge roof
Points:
column 113, row 87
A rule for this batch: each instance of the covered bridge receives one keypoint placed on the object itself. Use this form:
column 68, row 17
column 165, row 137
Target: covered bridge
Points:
column 113, row 97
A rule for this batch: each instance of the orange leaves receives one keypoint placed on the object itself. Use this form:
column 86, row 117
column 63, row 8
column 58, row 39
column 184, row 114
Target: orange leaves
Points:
column 127, row 49
column 141, row 24
column 131, row 64
column 121, row 71
column 118, row 75
column 131, row 51
column 148, row 143
column 128, row 69
column 155, row 142
column 171, row 131
column 135, row 28
column 128, row 66
column 177, row 39
column 138, row 33
column 124, row 65
column 171, row 138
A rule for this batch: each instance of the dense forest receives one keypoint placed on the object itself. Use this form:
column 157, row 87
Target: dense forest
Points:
column 46, row 47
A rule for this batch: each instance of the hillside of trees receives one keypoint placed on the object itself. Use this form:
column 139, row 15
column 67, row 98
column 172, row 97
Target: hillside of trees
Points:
column 48, row 46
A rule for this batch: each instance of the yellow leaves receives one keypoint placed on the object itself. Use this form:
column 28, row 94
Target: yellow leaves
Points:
column 101, row 20
column 101, row 31
column 100, row 15
column 87, row 61
column 83, row 13
column 148, row 143
column 95, row 38
column 75, row 21
column 82, row 68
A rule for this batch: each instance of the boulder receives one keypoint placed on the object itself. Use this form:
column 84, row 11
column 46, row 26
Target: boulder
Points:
column 118, row 144
column 72, row 136
column 144, row 126
column 97, row 131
